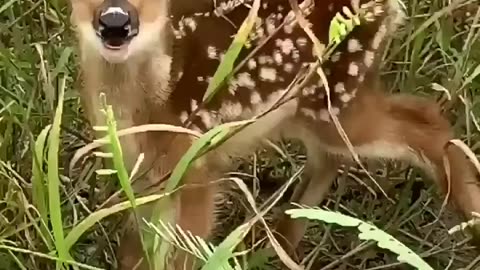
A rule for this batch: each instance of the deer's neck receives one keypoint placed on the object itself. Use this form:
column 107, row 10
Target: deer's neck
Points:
column 134, row 89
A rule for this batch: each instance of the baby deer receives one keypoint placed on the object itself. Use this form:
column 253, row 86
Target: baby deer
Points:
column 154, row 59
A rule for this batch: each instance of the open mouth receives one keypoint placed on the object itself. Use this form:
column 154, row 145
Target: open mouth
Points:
column 115, row 39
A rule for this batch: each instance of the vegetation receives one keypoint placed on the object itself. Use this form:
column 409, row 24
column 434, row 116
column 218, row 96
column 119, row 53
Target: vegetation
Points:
column 50, row 215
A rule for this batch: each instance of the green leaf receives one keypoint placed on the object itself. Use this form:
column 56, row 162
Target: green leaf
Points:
column 39, row 195
column 62, row 62
column 224, row 251
column 98, row 215
column 367, row 232
column 54, row 181
column 226, row 66
column 116, row 150
column 340, row 27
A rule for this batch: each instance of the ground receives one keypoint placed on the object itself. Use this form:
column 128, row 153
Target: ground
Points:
column 435, row 54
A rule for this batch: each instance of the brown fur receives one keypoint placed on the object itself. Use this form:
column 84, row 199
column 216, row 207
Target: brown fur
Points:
column 379, row 126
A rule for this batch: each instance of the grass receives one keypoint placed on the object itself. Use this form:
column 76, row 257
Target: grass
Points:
column 436, row 54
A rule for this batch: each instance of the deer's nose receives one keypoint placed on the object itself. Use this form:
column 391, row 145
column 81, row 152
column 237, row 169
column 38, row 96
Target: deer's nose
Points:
column 116, row 25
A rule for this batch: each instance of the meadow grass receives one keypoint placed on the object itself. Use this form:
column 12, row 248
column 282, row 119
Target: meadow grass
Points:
column 50, row 215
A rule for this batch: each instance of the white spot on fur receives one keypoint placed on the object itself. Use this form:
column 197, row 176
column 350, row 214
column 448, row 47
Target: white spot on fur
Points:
column 378, row 10
column 302, row 42
column 277, row 57
column 260, row 32
column 207, row 119
column 255, row 98
column 270, row 25
column 308, row 113
column 368, row 59
column 345, row 97
column 353, row 69
column 178, row 34
column 323, row 115
column 296, row 55
column 268, row 74
column 309, row 90
column 230, row 110
column 335, row 57
column 191, row 23
column 212, row 52
column 233, row 86
column 288, row 67
column 265, row 59
column 183, row 116
column 339, row 87
column 354, row 45
column 321, row 94
column 200, row 79
column 245, row 80
column 335, row 111
column 288, row 28
column 193, row 105
column 286, row 46
column 252, row 64
column 320, row 82
column 369, row 17
column 354, row 92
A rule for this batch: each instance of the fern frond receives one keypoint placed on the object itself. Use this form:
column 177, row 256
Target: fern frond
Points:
column 341, row 25
column 367, row 232
column 187, row 242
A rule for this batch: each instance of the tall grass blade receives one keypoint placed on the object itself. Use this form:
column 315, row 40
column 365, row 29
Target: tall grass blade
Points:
column 98, row 215
column 54, row 201
column 39, row 194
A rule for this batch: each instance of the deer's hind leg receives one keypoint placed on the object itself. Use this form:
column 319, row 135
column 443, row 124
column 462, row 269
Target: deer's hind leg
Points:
column 411, row 129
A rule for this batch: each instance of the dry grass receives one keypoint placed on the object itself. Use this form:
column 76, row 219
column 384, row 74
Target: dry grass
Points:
column 437, row 57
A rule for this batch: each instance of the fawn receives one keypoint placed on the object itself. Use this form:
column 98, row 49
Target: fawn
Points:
column 154, row 59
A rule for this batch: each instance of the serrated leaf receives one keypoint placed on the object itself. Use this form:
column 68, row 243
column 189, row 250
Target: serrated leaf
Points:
column 367, row 232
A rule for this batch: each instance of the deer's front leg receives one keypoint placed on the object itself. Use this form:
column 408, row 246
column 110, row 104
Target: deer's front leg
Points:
column 196, row 210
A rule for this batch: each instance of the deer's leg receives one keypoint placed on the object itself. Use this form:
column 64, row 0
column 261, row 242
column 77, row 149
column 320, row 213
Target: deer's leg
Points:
column 411, row 129
column 320, row 171
column 194, row 203
column 197, row 208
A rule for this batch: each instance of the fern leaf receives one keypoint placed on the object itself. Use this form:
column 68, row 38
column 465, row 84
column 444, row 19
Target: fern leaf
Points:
column 367, row 232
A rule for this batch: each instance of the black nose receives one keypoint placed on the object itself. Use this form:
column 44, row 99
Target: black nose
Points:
column 116, row 25
column 114, row 18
